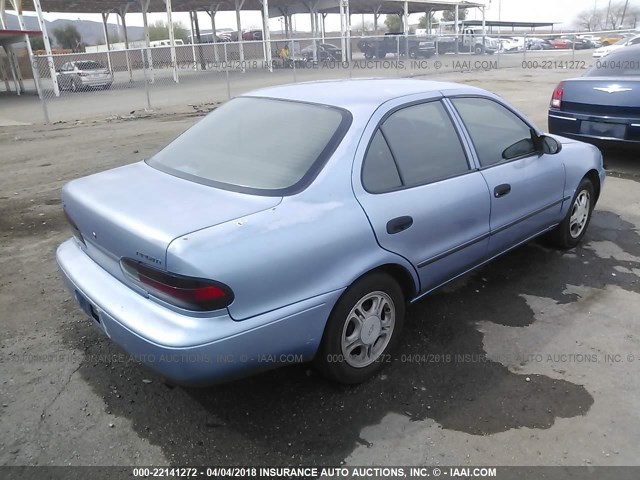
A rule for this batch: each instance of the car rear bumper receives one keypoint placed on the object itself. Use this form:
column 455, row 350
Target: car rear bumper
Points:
column 599, row 130
column 96, row 82
column 187, row 349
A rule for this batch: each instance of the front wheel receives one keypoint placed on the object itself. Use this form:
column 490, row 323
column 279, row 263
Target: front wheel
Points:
column 574, row 226
column 413, row 53
column 363, row 328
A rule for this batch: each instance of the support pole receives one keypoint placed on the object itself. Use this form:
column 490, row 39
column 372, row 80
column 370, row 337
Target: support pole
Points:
column 348, row 22
column 457, row 29
column 212, row 13
column 405, row 21
column 314, row 43
column 47, row 47
column 193, row 40
column 123, row 13
column 484, row 32
column 323, row 17
column 172, row 41
column 266, row 33
column 343, row 41
column 144, row 7
column 105, row 16
column 239, row 5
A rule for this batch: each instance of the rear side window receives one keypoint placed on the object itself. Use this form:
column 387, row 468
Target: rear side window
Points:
column 497, row 133
column 380, row 173
column 423, row 147
column 256, row 145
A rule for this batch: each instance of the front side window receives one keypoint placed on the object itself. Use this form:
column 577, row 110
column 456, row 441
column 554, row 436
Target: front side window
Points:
column 497, row 133
column 256, row 145
column 414, row 146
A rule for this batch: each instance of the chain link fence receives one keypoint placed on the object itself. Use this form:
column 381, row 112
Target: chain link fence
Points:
column 81, row 85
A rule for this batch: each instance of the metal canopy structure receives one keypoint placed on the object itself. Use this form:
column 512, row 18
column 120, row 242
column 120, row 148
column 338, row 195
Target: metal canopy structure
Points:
column 317, row 9
column 7, row 39
column 512, row 25
column 292, row 6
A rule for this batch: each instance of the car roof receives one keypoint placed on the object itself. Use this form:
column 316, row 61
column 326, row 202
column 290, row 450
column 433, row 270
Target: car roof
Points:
column 351, row 94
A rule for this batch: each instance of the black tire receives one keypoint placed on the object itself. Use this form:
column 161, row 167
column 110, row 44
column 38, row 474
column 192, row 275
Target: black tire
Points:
column 478, row 50
column 74, row 86
column 331, row 359
column 381, row 55
column 368, row 55
column 567, row 235
column 107, row 86
column 413, row 52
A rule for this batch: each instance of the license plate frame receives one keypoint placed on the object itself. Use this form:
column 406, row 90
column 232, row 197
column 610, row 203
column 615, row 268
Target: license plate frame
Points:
column 604, row 129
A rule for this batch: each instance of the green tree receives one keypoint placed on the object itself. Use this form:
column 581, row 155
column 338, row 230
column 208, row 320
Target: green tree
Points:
column 67, row 36
column 393, row 23
column 37, row 43
column 422, row 22
column 160, row 31
column 450, row 15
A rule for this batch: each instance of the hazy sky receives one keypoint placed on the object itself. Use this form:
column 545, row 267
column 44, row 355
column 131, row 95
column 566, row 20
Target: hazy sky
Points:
column 560, row 11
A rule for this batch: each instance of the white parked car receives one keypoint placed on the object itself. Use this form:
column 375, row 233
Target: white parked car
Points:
column 625, row 42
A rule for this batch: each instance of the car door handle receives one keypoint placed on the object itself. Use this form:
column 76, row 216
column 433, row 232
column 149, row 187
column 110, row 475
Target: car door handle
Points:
column 399, row 224
column 501, row 190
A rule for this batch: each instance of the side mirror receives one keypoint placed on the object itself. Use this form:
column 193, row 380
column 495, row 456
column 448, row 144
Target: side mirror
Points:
column 550, row 145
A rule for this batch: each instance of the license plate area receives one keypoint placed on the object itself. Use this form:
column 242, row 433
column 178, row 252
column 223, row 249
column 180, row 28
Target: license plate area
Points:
column 601, row 129
column 87, row 307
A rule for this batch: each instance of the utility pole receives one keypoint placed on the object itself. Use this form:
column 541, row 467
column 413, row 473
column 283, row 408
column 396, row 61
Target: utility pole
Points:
column 609, row 15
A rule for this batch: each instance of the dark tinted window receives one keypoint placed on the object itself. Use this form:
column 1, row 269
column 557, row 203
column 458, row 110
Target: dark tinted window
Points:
column 497, row 133
column 380, row 173
column 624, row 62
column 88, row 65
column 424, row 144
column 254, row 143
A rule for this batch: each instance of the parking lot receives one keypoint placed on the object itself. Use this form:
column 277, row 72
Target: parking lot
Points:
column 531, row 360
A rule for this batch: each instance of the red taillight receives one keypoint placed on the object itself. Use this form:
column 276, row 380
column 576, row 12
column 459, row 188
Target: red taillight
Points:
column 185, row 292
column 556, row 99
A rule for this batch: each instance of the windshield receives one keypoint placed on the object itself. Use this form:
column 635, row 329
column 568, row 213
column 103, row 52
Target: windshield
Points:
column 89, row 65
column 256, row 145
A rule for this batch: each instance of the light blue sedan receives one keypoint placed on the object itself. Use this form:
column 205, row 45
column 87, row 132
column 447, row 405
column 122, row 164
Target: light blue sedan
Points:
column 295, row 223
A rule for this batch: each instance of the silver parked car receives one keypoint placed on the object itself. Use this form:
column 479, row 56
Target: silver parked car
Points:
column 84, row 74
column 294, row 223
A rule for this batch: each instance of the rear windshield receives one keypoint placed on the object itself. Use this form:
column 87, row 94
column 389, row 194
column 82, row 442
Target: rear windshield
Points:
column 617, row 64
column 256, row 145
column 89, row 65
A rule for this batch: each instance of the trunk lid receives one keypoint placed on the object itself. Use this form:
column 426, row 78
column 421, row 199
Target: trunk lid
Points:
column 602, row 96
column 136, row 211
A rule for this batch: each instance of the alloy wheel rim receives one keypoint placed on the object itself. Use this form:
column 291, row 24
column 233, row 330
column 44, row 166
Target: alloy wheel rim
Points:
column 579, row 214
column 368, row 329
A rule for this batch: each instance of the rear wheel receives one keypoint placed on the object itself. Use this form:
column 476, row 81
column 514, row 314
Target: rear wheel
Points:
column 413, row 52
column 478, row 49
column 74, row 86
column 574, row 226
column 363, row 328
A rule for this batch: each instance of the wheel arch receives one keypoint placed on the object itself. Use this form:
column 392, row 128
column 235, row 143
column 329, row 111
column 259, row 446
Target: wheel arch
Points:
column 594, row 178
column 400, row 274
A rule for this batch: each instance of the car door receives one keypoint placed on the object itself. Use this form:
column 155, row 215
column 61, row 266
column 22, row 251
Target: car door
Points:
column 526, row 186
column 423, row 195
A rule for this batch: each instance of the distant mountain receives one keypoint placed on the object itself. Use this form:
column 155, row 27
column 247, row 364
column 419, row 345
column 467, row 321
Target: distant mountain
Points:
column 91, row 32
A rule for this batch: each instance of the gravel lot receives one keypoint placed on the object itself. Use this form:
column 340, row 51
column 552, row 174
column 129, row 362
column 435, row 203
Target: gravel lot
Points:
column 534, row 359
